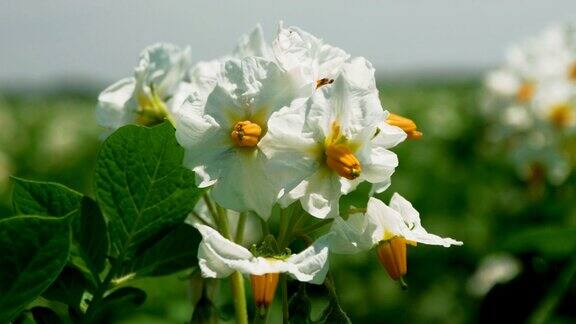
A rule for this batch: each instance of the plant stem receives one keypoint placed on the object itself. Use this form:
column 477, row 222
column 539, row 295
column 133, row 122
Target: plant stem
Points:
column 236, row 279
column 240, row 228
column 555, row 294
column 284, row 288
column 99, row 293
column 239, row 295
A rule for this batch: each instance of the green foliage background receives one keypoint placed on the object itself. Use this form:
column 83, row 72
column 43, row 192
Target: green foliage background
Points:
column 463, row 185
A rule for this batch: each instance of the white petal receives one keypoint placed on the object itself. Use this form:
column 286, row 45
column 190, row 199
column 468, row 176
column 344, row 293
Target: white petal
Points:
column 389, row 136
column 350, row 236
column 411, row 218
column 311, row 265
column 383, row 222
column 379, row 165
column 253, row 44
column 115, row 107
column 164, row 66
column 322, row 195
column 217, row 256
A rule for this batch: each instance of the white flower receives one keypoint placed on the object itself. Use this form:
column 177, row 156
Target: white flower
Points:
column 389, row 229
column 333, row 141
column 204, row 75
column 221, row 135
column 319, row 63
column 381, row 223
column 154, row 92
column 219, row 257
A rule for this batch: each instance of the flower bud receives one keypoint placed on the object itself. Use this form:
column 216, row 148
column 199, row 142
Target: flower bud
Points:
column 246, row 134
column 341, row 159
column 392, row 255
column 408, row 125
column 525, row 92
column 264, row 288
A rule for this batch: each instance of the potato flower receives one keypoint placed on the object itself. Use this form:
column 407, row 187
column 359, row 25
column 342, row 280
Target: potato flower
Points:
column 153, row 94
column 219, row 257
column 333, row 141
column 221, row 135
column 389, row 229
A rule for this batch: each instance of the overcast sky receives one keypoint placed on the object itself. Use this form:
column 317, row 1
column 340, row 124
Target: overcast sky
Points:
column 47, row 40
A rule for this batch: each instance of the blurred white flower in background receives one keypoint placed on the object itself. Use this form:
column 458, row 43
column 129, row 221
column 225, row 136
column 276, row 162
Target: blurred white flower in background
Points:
column 493, row 269
column 531, row 104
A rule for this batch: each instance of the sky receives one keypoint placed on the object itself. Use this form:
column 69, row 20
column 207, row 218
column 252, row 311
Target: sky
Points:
column 47, row 41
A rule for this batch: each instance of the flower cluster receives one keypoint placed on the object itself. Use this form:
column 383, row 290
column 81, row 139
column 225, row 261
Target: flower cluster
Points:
column 532, row 100
column 296, row 123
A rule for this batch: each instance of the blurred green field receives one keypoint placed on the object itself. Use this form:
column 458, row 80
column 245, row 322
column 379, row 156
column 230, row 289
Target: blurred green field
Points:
column 463, row 185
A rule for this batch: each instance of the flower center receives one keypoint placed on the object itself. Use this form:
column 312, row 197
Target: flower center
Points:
column 408, row 125
column 572, row 72
column 340, row 159
column 246, row 134
column 323, row 81
column 561, row 115
column 392, row 255
column 151, row 109
column 525, row 92
column 264, row 288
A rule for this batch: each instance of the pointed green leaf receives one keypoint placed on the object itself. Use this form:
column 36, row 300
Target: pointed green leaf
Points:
column 34, row 250
column 43, row 198
column 141, row 186
column 176, row 251
column 91, row 242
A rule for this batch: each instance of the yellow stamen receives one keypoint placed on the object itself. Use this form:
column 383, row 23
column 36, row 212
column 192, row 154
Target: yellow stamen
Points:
column 246, row 134
column 264, row 288
column 408, row 125
column 392, row 255
column 525, row 92
column 323, row 81
column 340, row 159
column 561, row 115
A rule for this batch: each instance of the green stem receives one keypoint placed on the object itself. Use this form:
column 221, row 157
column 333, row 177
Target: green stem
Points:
column 236, row 279
column 239, row 295
column 240, row 228
column 211, row 207
column 555, row 294
column 284, row 287
column 99, row 293
column 310, row 229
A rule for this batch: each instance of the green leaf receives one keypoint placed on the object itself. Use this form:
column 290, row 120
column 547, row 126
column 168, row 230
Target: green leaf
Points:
column 91, row 242
column 90, row 239
column 34, row 250
column 175, row 252
column 299, row 306
column 43, row 198
column 45, row 315
column 125, row 296
column 68, row 288
column 549, row 241
column 141, row 186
